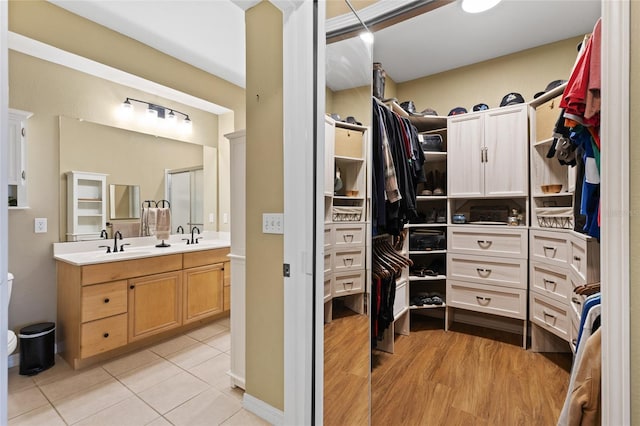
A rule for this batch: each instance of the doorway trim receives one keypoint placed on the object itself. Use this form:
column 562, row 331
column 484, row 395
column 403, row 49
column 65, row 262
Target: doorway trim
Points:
column 4, row 212
column 615, row 213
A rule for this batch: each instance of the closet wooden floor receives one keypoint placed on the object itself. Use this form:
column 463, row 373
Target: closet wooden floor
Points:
column 466, row 376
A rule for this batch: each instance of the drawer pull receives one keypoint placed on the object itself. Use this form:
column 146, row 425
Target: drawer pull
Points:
column 348, row 261
column 574, row 342
column 132, row 286
column 483, row 271
column 106, row 300
column 576, row 301
column 484, row 243
column 348, row 238
column 547, row 314
column 105, row 335
column 576, row 258
column 483, row 300
column 553, row 249
column 546, row 282
column 346, row 283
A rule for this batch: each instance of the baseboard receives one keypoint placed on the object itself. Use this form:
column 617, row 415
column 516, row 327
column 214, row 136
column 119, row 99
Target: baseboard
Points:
column 263, row 410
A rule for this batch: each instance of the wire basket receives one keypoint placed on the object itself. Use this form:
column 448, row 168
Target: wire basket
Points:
column 555, row 217
column 347, row 214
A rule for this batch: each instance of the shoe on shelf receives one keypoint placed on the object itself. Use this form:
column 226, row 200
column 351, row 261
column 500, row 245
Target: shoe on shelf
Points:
column 428, row 185
column 417, row 301
column 437, row 184
column 441, row 217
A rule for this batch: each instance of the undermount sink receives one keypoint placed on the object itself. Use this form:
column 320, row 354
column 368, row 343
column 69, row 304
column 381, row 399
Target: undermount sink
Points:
column 122, row 254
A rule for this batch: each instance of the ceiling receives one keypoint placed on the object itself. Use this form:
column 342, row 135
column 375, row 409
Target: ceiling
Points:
column 209, row 34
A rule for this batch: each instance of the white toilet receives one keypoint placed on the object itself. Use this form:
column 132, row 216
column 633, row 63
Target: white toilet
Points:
column 11, row 336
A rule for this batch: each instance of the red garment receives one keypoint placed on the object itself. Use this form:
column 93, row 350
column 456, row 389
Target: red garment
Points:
column 593, row 93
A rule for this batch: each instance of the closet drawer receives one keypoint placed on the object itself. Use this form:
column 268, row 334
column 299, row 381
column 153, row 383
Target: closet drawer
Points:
column 506, row 302
column 549, row 247
column 500, row 271
column 328, row 261
column 348, row 283
column 584, row 258
column 328, row 236
column 104, row 300
column 328, row 284
column 103, row 335
column 346, row 259
column 551, row 315
column 499, row 242
column 348, row 234
column 401, row 302
column 551, row 281
column 577, row 300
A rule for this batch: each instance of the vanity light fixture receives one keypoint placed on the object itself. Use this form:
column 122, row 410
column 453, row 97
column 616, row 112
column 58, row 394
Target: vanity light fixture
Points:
column 159, row 111
column 477, row 6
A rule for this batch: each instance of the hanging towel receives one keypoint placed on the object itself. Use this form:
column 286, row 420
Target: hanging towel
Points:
column 163, row 223
column 152, row 217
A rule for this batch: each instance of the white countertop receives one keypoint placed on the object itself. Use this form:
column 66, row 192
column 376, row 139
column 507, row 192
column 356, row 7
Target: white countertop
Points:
column 88, row 252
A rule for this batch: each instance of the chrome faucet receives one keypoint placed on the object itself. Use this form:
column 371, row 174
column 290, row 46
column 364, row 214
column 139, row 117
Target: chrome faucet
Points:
column 180, row 229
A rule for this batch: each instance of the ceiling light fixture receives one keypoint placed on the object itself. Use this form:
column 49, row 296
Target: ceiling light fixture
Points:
column 154, row 110
column 477, row 6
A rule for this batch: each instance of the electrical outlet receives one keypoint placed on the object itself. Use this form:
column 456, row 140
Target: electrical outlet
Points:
column 225, row 218
column 211, row 218
column 40, row 225
column 273, row 223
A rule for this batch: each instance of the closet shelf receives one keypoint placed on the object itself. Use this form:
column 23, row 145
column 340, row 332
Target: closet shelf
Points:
column 559, row 194
column 429, row 278
column 416, row 308
column 425, row 225
column 351, row 159
column 543, row 142
column 430, row 197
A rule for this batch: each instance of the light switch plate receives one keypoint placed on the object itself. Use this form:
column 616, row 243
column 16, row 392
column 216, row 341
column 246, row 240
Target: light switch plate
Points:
column 40, row 226
column 273, row 223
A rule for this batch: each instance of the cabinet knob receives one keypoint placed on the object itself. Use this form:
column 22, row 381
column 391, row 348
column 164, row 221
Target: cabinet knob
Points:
column 576, row 258
column 132, row 286
column 106, row 300
column 105, row 335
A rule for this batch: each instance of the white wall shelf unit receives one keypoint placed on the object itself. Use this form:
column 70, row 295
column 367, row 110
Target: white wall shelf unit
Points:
column 17, row 158
column 86, row 205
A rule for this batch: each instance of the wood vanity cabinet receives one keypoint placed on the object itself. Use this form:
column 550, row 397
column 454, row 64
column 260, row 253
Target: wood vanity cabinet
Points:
column 109, row 308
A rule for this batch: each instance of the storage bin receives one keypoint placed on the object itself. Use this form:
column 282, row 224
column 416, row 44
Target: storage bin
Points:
column 37, row 348
column 348, row 143
column 347, row 214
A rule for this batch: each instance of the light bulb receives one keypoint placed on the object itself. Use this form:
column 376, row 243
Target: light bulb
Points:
column 477, row 6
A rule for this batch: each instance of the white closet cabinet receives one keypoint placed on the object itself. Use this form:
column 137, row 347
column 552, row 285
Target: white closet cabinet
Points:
column 237, row 255
column 86, row 205
column 17, row 161
column 487, row 153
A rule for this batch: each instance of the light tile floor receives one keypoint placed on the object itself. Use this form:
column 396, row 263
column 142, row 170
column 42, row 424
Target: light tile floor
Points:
column 181, row 381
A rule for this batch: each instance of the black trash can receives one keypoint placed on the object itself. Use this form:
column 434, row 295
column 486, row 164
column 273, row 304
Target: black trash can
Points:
column 37, row 347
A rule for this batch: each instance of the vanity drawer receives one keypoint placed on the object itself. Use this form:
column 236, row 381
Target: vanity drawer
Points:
column 551, row 315
column 506, row 302
column 549, row 247
column 348, row 234
column 503, row 242
column 506, row 272
column 551, row 281
column 204, row 257
column 103, row 335
column 114, row 271
column 348, row 283
column 104, row 300
column 345, row 259
column 584, row 258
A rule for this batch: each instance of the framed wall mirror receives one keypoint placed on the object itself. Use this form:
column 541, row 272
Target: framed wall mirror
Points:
column 124, row 201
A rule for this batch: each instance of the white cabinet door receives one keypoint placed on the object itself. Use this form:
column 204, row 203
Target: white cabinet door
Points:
column 17, row 158
column 506, row 146
column 465, row 152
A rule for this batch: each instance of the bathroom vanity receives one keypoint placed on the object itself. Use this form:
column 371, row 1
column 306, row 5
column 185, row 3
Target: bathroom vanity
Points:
column 111, row 303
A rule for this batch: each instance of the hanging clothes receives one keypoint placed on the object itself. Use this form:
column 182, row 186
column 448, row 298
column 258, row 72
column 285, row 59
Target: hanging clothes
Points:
column 398, row 162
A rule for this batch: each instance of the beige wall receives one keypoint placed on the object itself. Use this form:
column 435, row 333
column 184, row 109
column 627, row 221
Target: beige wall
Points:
column 353, row 102
column 634, row 214
column 50, row 91
column 265, row 252
column 526, row 72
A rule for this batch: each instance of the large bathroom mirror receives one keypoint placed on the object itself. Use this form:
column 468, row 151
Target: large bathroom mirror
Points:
column 347, row 256
column 134, row 157
column 124, row 201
